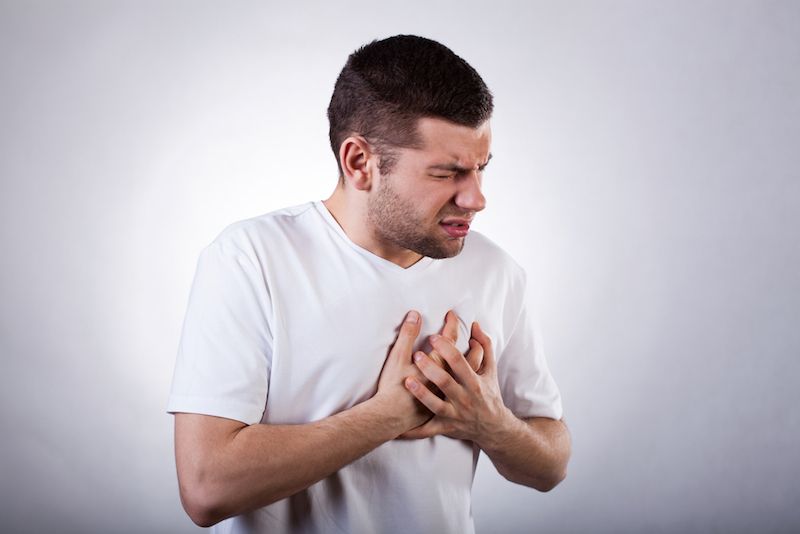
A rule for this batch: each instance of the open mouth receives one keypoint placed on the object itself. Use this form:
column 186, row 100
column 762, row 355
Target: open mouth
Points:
column 455, row 228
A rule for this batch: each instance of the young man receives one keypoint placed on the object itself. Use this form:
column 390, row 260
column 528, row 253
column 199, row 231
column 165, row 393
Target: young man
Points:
column 300, row 405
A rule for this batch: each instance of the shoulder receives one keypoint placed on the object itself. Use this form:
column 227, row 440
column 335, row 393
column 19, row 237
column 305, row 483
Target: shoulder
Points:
column 263, row 225
column 248, row 234
column 272, row 232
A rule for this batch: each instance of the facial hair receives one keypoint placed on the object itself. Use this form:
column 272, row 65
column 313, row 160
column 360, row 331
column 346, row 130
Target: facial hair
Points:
column 394, row 220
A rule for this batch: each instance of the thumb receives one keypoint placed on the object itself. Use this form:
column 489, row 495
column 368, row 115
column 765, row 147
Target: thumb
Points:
column 432, row 428
column 407, row 335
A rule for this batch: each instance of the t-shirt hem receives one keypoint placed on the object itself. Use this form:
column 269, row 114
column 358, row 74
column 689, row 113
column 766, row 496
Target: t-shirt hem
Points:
column 552, row 410
column 238, row 411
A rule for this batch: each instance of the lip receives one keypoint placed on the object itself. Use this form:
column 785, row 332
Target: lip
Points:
column 455, row 227
column 456, row 220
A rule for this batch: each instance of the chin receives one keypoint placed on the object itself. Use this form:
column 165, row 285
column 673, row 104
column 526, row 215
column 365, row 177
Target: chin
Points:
column 443, row 251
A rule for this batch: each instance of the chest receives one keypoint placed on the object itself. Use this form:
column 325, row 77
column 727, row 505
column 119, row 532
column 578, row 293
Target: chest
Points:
column 332, row 334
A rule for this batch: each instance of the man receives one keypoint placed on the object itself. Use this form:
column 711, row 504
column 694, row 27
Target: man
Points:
column 290, row 414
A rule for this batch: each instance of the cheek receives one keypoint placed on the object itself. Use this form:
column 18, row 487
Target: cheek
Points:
column 430, row 199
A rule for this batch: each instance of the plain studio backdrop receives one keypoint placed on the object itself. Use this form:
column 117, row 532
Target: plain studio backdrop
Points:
column 645, row 175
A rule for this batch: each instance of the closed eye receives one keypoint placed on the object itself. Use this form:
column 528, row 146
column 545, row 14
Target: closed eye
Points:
column 454, row 171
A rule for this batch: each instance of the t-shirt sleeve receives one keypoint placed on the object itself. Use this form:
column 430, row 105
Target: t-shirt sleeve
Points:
column 527, row 387
column 225, row 351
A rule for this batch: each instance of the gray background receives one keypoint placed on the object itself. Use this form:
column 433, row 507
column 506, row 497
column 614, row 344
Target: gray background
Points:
column 645, row 174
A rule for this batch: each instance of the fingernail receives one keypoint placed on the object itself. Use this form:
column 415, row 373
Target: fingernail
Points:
column 412, row 317
column 412, row 384
column 417, row 356
column 434, row 338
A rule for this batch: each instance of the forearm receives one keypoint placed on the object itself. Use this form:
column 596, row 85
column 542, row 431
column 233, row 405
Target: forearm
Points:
column 256, row 465
column 533, row 452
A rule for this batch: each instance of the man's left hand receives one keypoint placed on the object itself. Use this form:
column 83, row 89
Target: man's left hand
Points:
column 472, row 408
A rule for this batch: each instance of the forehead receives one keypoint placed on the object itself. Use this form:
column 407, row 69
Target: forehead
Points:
column 445, row 140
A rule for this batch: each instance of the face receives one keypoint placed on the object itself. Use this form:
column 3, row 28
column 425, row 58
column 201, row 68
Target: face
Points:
column 427, row 202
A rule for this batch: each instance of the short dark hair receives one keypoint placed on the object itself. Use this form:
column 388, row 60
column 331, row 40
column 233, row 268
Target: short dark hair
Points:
column 387, row 85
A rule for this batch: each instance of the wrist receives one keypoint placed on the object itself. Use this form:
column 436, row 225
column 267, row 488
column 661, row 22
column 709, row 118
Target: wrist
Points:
column 385, row 413
column 504, row 428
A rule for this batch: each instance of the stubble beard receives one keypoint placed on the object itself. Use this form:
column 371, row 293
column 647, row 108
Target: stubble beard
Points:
column 394, row 220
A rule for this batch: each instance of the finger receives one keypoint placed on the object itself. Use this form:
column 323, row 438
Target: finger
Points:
column 424, row 381
column 429, row 429
column 409, row 331
column 489, row 362
column 455, row 360
column 424, row 395
column 435, row 356
column 475, row 355
column 450, row 328
column 442, row 379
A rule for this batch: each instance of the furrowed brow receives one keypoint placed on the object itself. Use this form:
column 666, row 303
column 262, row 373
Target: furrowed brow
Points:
column 449, row 168
column 457, row 168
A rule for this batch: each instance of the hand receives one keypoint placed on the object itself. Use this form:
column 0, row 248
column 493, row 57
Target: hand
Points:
column 450, row 331
column 473, row 408
column 397, row 367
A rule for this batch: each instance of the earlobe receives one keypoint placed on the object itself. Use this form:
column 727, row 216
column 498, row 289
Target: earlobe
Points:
column 355, row 154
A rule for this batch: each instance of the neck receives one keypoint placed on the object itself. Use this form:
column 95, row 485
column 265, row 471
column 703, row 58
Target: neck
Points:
column 349, row 208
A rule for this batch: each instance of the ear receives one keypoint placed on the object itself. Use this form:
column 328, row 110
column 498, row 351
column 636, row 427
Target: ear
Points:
column 357, row 158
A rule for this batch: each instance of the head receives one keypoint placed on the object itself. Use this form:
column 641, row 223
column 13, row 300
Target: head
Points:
column 427, row 202
column 409, row 125
column 387, row 86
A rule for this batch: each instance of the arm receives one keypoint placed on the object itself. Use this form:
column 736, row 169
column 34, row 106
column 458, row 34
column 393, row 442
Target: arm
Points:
column 226, row 468
column 533, row 452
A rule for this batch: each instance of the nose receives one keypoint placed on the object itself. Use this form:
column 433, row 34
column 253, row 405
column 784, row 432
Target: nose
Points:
column 469, row 196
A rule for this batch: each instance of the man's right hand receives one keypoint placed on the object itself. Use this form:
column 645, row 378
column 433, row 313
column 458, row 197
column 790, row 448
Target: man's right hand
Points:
column 396, row 369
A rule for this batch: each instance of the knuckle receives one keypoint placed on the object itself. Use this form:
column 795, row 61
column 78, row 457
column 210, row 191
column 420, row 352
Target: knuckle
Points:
column 447, row 382
column 447, row 356
column 446, row 349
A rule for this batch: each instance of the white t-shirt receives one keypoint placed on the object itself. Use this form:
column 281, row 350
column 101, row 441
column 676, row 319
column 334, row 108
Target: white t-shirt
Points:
column 289, row 321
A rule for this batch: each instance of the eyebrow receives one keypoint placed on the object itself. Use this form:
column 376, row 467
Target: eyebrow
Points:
column 457, row 168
